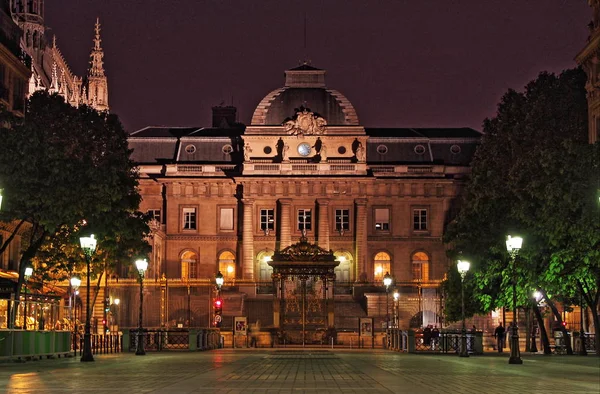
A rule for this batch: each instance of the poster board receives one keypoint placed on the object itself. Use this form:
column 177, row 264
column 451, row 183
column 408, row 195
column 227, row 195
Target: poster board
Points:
column 366, row 327
column 240, row 326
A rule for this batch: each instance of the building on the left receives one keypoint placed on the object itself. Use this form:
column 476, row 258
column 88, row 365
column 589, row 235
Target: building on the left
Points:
column 14, row 63
column 30, row 60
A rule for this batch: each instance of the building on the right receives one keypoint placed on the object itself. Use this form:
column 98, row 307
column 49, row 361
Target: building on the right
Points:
column 589, row 59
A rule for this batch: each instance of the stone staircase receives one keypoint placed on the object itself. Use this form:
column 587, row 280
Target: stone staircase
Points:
column 97, row 309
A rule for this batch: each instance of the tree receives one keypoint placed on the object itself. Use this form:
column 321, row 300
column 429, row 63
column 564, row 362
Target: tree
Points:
column 64, row 171
column 535, row 173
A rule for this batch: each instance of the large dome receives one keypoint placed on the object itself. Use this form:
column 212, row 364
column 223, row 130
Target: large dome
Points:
column 304, row 86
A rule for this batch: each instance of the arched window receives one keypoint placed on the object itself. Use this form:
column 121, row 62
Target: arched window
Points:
column 381, row 265
column 343, row 272
column 420, row 266
column 189, row 265
column 264, row 269
column 227, row 265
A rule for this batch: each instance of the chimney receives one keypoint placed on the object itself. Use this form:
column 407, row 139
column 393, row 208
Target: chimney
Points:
column 224, row 116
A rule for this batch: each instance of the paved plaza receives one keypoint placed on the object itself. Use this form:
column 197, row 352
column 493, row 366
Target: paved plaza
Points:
column 295, row 371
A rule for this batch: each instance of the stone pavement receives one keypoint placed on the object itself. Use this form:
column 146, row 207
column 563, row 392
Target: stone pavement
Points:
column 296, row 371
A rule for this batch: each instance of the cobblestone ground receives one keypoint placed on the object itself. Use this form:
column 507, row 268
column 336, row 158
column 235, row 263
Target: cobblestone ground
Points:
column 291, row 371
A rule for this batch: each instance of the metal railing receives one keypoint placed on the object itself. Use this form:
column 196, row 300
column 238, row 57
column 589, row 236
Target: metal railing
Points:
column 101, row 344
column 163, row 340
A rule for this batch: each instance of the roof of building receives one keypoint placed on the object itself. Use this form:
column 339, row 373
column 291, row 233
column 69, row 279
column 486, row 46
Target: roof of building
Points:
column 438, row 132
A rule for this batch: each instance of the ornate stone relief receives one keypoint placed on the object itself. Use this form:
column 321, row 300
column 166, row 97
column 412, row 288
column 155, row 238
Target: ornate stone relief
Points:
column 305, row 122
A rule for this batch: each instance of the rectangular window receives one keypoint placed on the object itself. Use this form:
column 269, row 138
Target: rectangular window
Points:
column 420, row 219
column 189, row 218
column 226, row 219
column 382, row 219
column 304, row 219
column 342, row 219
column 267, row 219
column 154, row 214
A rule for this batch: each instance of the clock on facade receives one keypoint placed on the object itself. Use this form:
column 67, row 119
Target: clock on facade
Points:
column 304, row 149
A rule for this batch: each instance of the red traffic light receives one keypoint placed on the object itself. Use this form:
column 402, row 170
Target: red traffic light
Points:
column 218, row 303
column 564, row 323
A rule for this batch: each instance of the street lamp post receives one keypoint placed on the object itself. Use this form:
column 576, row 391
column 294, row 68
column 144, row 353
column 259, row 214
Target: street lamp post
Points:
column 396, row 296
column 88, row 244
column 513, row 245
column 537, row 296
column 463, row 267
column 26, row 275
column 387, row 281
column 75, row 283
column 141, row 265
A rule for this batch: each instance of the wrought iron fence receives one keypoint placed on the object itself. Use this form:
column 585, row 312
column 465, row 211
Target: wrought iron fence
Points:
column 101, row 344
column 157, row 340
column 446, row 342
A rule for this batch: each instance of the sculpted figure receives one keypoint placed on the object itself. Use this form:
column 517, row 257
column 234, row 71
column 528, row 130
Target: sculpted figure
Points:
column 360, row 152
column 247, row 151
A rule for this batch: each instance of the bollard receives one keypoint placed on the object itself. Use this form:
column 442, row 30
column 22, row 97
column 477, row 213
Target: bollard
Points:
column 332, row 342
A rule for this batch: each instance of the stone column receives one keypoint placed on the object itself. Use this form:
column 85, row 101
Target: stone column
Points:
column 285, row 232
column 248, row 239
column 361, row 239
column 324, row 225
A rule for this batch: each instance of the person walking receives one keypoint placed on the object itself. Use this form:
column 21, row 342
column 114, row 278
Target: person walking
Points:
column 499, row 334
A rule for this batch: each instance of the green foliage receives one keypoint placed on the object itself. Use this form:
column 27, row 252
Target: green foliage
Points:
column 534, row 173
column 66, row 171
column 451, row 287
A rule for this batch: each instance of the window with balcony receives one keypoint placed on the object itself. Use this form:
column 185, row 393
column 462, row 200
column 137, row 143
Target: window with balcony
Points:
column 381, row 265
column 189, row 269
column 227, row 265
column 420, row 266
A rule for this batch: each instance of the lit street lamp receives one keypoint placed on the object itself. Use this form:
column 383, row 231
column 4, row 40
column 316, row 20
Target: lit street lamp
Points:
column 463, row 267
column 141, row 265
column 26, row 275
column 88, row 244
column 513, row 245
column 387, row 281
column 75, row 283
column 219, row 280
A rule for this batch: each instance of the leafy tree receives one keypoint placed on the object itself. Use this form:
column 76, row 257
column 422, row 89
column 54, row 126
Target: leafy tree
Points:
column 66, row 172
column 535, row 173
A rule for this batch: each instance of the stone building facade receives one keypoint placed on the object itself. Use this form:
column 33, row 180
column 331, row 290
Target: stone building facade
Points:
column 226, row 197
column 589, row 59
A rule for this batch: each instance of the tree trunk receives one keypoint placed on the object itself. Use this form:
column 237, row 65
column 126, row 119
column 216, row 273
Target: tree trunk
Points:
column 28, row 254
column 562, row 328
column 543, row 332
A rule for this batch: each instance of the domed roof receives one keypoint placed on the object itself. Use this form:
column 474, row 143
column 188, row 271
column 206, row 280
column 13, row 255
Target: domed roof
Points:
column 304, row 87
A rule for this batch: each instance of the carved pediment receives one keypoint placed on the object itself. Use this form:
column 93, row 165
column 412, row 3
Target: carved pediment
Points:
column 305, row 122
column 304, row 251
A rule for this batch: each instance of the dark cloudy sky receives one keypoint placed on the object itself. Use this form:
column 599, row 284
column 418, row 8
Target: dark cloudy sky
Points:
column 408, row 63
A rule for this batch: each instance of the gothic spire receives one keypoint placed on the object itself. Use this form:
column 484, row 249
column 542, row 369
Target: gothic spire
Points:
column 96, row 64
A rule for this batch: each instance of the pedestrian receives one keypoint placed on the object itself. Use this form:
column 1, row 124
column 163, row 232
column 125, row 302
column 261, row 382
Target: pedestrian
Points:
column 435, row 337
column 427, row 335
column 499, row 335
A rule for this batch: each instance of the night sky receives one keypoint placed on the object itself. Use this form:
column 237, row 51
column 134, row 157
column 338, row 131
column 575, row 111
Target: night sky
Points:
column 401, row 63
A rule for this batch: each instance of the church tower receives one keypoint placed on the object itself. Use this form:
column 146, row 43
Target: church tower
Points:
column 29, row 16
column 97, row 84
